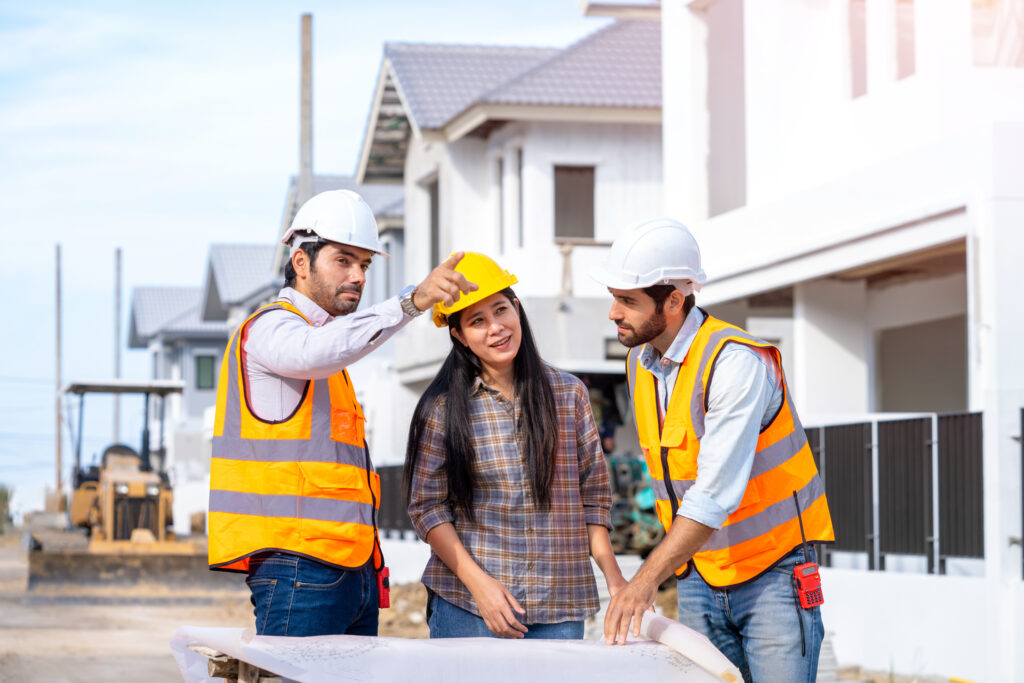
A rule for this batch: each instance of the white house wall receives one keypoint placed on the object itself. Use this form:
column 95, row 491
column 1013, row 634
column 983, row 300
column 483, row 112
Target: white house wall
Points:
column 627, row 160
column 627, row 190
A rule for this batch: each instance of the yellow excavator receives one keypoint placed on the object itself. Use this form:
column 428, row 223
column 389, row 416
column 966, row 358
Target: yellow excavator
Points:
column 120, row 515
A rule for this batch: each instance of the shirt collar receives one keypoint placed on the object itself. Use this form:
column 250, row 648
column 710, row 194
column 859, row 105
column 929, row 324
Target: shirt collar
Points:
column 650, row 359
column 317, row 316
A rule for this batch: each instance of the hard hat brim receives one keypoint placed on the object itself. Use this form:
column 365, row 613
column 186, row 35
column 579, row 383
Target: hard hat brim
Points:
column 602, row 275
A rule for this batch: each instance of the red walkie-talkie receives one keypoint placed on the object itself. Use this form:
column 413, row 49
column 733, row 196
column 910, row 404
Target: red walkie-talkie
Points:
column 805, row 576
column 383, row 587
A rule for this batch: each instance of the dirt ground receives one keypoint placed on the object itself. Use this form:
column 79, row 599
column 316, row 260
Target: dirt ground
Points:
column 60, row 638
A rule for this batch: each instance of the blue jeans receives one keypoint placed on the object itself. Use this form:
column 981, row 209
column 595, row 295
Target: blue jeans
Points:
column 296, row 596
column 757, row 624
column 448, row 621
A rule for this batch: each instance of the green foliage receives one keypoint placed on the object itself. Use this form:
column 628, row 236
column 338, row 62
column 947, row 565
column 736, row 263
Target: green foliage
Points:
column 6, row 492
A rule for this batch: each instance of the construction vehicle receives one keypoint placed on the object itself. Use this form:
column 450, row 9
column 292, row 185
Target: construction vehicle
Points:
column 124, row 499
column 120, row 514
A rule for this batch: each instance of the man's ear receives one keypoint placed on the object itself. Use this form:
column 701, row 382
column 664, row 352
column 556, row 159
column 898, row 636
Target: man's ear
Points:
column 300, row 262
column 675, row 303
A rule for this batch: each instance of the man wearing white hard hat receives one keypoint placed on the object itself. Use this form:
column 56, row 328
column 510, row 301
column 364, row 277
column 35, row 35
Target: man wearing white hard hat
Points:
column 293, row 494
column 736, row 485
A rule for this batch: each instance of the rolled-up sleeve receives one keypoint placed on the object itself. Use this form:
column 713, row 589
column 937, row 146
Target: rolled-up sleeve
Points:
column 737, row 400
column 595, row 490
column 428, row 500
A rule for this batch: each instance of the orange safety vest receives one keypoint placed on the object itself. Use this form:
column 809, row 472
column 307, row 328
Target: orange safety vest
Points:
column 764, row 528
column 302, row 485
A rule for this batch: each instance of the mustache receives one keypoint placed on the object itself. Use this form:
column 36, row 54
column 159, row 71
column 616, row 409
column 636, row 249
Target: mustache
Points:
column 624, row 324
column 356, row 289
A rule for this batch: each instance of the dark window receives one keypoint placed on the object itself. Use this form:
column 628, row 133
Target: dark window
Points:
column 574, row 201
column 499, row 172
column 519, row 191
column 204, row 372
column 435, row 223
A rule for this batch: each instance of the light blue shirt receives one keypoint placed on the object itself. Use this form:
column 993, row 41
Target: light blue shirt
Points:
column 744, row 398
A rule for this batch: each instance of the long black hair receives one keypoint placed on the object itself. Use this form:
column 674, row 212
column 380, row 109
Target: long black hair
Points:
column 454, row 383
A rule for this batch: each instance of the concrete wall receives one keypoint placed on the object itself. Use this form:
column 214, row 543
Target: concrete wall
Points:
column 915, row 624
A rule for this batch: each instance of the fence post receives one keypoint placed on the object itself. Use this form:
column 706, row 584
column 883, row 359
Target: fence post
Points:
column 823, row 548
column 934, row 557
column 875, row 556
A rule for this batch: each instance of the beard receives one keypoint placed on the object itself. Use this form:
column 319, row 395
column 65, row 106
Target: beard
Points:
column 329, row 298
column 648, row 330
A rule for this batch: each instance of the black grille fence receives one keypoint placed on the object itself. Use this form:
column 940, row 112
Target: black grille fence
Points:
column 392, row 516
column 909, row 486
column 894, row 486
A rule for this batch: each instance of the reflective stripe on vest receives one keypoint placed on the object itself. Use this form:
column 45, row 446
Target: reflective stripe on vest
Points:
column 302, row 484
column 764, row 527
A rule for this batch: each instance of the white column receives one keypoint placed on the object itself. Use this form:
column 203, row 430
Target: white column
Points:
column 831, row 340
column 1000, row 281
column 684, row 111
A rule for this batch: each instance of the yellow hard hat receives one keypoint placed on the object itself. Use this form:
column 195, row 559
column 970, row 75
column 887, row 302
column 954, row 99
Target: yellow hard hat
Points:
column 487, row 275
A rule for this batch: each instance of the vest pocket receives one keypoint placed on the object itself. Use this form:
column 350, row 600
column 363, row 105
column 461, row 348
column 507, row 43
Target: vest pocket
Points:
column 321, row 485
column 347, row 426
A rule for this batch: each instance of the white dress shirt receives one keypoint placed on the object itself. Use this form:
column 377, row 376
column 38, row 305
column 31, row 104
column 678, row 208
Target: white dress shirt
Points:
column 283, row 352
column 744, row 398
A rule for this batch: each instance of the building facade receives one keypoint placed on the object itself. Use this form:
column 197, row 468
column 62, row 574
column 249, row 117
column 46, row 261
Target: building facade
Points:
column 853, row 173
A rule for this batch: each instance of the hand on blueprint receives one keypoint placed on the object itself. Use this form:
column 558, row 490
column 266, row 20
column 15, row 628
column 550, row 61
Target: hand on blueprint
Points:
column 496, row 606
column 626, row 605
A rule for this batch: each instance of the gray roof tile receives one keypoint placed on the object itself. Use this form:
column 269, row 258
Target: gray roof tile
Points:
column 238, row 270
column 172, row 311
column 439, row 81
column 617, row 66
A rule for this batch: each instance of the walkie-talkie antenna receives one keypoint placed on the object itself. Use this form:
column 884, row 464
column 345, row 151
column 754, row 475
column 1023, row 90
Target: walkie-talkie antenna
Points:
column 799, row 518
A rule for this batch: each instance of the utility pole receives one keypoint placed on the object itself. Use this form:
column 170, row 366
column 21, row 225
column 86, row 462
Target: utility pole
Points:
column 305, row 184
column 117, row 342
column 59, row 435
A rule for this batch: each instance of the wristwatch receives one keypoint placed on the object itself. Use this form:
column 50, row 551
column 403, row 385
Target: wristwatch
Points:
column 405, row 298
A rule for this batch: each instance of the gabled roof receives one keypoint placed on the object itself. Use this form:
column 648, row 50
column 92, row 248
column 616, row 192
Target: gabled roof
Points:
column 171, row 312
column 439, row 81
column 617, row 66
column 236, row 273
column 613, row 75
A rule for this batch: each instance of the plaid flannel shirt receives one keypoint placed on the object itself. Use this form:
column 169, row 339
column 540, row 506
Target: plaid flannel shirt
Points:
column 541, row 555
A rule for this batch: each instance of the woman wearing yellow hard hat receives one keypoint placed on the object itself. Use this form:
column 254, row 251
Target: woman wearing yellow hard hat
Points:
column 505, row 477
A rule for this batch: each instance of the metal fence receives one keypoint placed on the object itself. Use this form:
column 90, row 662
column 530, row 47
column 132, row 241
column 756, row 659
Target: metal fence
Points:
column 904, row 487
column 392, row 516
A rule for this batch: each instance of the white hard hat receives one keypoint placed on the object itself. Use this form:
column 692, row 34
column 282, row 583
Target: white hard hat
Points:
column 336, row 216
column 661, row 251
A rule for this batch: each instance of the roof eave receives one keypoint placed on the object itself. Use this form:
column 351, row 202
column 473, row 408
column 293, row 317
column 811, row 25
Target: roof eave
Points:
column 470, row 119
column 387, row 76
column 622, row 10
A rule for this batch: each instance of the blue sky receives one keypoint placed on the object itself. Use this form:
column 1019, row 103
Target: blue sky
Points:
column 161, row 128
